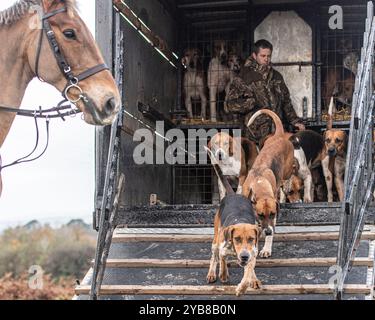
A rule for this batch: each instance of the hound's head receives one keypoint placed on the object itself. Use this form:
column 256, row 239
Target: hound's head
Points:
column 335, row 142
column 244, row 239
column 350, row 62
column 266, row 210
column 221, row 51
column 192, row 59
column 223, row 147
column 293, row 188
column 346, row 90
column 234, row 63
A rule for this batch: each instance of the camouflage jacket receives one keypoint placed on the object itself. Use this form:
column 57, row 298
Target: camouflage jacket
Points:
column 260, row 87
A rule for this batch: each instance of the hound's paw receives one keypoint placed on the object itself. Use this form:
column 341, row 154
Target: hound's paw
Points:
column 211, row 277
column 224, row 278
column 265, row 254
column 307, row 200
column 255, row 284
column 241, row 289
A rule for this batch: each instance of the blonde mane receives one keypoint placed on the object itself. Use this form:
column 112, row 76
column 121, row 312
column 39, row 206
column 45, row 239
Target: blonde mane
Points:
column 22, row 7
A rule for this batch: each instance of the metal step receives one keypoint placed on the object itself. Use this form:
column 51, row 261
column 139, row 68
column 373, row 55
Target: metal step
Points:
column 203, row 215
column 222, row 290
column 162, row 264
column 120, row 237
column 261, row 263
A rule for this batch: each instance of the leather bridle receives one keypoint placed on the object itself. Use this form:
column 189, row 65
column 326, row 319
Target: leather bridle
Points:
column 73, row 80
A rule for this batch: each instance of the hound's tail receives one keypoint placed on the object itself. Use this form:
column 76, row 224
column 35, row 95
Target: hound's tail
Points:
column 219, row 173
column 279, row 126
column 330, row 114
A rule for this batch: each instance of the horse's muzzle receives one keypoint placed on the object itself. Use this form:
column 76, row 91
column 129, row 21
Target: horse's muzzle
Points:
column 95, row 116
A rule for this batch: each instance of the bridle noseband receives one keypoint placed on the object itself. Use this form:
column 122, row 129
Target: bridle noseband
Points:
column 73, row 80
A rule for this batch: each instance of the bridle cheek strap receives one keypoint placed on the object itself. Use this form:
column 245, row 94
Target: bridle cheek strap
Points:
column 61, row 61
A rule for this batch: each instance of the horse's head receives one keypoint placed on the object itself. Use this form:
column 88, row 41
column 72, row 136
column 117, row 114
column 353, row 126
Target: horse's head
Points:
column 99, row 99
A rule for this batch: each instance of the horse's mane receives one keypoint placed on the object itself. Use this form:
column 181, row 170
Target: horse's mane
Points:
column 22, row 7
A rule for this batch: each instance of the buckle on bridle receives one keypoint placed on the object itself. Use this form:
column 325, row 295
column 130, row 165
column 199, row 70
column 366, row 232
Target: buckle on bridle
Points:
column 67, row 69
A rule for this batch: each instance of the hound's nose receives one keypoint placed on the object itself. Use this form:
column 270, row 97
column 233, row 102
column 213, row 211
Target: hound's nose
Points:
column 332, row 152
column 268, row 232
column 244, row 256
column 110, row 106
column 223, row 57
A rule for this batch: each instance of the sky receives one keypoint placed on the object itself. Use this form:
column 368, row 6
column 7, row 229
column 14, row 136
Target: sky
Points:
column 59, row 186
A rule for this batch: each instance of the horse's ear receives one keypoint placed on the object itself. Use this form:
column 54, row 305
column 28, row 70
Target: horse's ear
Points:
column 228, row 234
column 49, row 4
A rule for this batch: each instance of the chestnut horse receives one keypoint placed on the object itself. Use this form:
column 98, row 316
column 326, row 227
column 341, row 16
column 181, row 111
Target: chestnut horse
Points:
column 48, row 39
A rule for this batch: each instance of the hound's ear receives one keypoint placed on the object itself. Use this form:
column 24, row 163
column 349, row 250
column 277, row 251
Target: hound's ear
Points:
column 228, row 234
column 295, row 166
column 231, row 147
column 209, row 144
column 258, row 232
column 252, row 197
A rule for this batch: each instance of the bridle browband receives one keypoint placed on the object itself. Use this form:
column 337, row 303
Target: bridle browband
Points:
column 73, row 82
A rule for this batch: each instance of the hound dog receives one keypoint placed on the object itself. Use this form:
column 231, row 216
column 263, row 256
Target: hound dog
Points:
column 308, row 153
column 194, row 81
column 235, row 156
column 334, row 157
column 273, row 165
column 235, row 234
column 292, row 188
column 221, row 72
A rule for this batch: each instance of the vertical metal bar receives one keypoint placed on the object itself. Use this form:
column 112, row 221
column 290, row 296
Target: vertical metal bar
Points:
column 359, row 160
column 318, row 58
column 103, row 28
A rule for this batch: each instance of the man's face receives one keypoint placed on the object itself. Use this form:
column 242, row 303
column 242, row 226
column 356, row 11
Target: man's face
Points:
column 263, row 57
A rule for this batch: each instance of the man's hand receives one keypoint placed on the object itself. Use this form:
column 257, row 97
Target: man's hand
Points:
column 300, row 126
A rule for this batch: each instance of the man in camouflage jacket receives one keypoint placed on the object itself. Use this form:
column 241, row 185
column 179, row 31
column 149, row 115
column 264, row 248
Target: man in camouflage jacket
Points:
column 257, row 87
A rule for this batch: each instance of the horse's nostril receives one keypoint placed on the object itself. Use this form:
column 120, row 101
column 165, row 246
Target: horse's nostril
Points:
column 110, row 106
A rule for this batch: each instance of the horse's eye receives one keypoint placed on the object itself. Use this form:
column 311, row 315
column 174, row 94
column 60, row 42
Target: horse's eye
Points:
column 70, row 34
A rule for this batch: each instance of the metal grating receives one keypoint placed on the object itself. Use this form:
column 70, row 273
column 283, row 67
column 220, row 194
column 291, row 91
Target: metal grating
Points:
column 340, row 53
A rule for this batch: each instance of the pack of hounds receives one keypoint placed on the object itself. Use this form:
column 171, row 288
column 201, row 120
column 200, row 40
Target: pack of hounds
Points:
column 278, row 172
column 224, row 65
column 209, row 86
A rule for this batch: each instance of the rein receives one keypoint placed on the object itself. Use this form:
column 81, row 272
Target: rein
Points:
column 46, row 114
column 61, row 110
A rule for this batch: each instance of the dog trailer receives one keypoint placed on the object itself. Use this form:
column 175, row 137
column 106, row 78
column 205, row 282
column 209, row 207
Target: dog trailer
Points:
column 155, row 220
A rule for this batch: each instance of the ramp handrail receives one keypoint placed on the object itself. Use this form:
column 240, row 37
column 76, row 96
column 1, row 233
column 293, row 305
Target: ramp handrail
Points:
column 359, row 175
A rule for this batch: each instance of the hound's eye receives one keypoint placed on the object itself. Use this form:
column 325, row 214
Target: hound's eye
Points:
column 338, row 140
column 261, row 217
column 328, row 140
column 272, row 216
column 70, row 34
column 250, row 240
column 238, row 239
